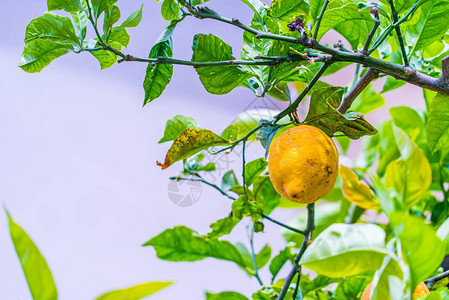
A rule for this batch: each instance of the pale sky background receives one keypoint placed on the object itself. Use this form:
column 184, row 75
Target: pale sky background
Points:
column 78, row 153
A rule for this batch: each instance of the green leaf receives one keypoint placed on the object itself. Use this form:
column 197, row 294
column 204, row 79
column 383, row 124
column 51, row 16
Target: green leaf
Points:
column 170, row 10
column 183, row 244
column 243, row 207
column 368, row 100
column 408, row 120
column 47, row 38
column 346, row 250
column 190, row 142
column 254, row 169
column 351, row 288
column 387, row 282
column 230, row 133
column 356, row 191
column 159, row 76
column 37, row 273
column 318, row 283
column 223, row 226
column 80, row 20
column 392, row 83
column 263, row 257
column 420, row 244
column 68, row 5
column 265, row 194
column 118, row 38
column 218, row 79
column 99, row 6
column 323, row 114
column 229, row 180
column 287, row 9
column 443, row 234
column 430, row 26
column 225, row 296
column 401, row 174
column 134, row 19
column 438, row 123
column 176, row 125
column 136, row 292
column 352, row 24
column 279, row 261
column 111, row 16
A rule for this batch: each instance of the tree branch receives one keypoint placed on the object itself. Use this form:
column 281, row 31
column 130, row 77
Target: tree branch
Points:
column 307, row 240
column 369, row 76
column 398, row 33
column 431, row 281
column 375, row 13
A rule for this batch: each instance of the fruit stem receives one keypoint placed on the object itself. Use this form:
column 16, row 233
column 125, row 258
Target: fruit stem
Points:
column 307, row 240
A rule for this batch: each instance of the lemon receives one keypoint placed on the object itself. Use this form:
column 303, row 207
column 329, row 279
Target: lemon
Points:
column 303, row 164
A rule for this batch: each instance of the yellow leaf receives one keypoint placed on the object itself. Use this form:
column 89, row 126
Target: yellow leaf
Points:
column 357, row 192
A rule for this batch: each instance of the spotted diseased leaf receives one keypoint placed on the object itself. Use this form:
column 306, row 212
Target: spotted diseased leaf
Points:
column 356, row 191
column 176, row 125
column 323, row 114
column 217, row 79
column 158, row 76
column 136, row 292
column 183, row 244
column 438, row 123
column 47, row 38
column 37, row 273
column 189, row 142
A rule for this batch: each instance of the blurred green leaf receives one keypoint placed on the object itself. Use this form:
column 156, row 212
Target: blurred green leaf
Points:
column 159, row 76
column 402, row 174
column 225, row 296
column 443, row 234
column 420, row 244
column 229, row 180
column 47, row 38
column 352, row 288
column 356, row 191
column 408, row 120
column 265, row 194
column 190, row 142
column 279, row 261
column 438, row 123
column 38, row 275
column 176, row 125
column 254, row 169
column 136, row 292
column 368, row 100
column 345, row 250
column 218, row 79
column 263, row 257
column 306, row 286
column 183, row 244
column 134, row 19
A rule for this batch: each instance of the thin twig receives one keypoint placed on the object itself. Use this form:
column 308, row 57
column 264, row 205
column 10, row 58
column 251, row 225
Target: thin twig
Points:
column 398, row 33
column 233, row 199
column 292, row 107
column 432, row 280
column 375, row 12
column 307, row 240
column 253, row 256
column 318, row 20
column 369, row 76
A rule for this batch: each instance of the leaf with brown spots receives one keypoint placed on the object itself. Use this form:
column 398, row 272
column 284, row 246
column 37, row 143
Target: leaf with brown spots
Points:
column 190, row 142
column 356, row 191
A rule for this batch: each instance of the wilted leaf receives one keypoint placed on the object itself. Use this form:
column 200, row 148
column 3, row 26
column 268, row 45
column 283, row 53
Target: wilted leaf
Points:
column 136, row 292
column 38, row 275
column 190, row 142
column 345, row 250
column 356, row 191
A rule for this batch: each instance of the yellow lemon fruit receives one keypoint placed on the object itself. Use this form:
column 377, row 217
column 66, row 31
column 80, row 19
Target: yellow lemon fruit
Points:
column 303, row 164
column 421, row 290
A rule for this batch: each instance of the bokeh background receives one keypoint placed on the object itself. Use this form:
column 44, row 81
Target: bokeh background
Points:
column 78, row 153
